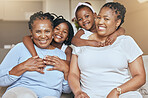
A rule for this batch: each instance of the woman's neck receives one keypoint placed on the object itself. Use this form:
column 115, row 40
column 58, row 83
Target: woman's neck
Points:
column 50, row 47
column 98, row 38
column 57, row 45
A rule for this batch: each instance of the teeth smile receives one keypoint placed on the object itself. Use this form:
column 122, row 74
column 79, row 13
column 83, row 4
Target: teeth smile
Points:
column 85, row 24
column 43, row 41
column 102, row 28
column 58, row 36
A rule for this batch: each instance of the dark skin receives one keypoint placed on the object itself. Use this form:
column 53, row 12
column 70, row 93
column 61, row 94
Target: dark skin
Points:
column 59, row 64
column 32, row 64
column 77, row 41
column 86, row 20
column 29, row 44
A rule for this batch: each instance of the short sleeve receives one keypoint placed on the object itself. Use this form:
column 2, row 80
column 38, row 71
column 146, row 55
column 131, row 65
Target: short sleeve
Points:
column 76, row 50
column 86, row 34
column 131, row 49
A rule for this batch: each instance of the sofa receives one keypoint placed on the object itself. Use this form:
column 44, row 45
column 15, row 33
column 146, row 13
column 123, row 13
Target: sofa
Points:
column 143, row 90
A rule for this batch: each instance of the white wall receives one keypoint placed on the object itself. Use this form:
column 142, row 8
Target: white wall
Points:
column 59, row 7
column 136, row 22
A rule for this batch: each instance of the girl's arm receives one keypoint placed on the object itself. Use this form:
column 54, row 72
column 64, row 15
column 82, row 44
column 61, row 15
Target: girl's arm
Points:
column 68, row 53
column 77, row 41
column 110, row 40
column 29, row 45
column 138, row 78
column 74, row 78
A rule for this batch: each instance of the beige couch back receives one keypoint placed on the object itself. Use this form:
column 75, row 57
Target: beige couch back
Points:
column 3, row 53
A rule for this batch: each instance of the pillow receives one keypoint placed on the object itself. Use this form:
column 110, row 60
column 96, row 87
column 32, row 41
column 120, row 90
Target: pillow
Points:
column 144, row 89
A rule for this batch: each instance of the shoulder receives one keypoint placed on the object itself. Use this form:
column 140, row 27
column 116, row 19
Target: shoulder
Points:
column 17, row 50
column 128, row 39
column 128, row 43
column 19, row 46
column 125, row 39
column 63, row 48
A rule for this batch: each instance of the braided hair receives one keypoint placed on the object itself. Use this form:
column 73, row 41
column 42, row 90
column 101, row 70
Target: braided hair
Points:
column 60, row 20
column 119, row 9
column 40, row 15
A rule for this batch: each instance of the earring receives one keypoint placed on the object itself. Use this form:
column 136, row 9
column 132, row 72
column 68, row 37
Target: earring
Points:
column 52, row 37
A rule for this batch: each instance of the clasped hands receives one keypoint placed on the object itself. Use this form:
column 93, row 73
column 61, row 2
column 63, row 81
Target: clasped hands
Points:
column 38, row 64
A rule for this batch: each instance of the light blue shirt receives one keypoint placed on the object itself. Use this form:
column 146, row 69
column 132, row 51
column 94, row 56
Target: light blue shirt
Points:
column 51, row 83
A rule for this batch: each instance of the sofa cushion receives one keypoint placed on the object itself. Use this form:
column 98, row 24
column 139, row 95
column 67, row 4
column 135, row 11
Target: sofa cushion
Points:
column 144, row 89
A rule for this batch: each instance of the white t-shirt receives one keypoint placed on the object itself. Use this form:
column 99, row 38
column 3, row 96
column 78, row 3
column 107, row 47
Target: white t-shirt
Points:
column 86, row 34
column 63, row 48
column 105, row 68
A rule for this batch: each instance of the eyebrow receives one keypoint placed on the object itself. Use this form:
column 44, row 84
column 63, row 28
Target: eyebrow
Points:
column 66, row 29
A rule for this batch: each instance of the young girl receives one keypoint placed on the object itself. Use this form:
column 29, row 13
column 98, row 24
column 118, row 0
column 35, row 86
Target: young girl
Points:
column 85, row 16
column 63, row 34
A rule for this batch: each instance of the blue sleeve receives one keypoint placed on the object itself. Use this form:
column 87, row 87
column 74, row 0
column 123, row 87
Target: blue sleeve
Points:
column 10, row 60
column 65, row 87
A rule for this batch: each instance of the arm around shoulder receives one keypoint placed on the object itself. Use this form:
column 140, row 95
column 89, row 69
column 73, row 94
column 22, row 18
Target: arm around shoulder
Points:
column 77, row 41
column 29, row 45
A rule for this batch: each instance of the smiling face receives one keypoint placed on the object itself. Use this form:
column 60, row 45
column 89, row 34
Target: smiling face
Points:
column 106, row 22
column 85, row 18
column 42, row 33
column 61, row 32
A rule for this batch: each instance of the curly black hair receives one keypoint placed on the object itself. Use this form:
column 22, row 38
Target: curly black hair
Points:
column 40, row 15
column 119, row 9
column 60, row 20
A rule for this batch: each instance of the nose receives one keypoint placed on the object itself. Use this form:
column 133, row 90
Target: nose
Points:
column 43, row 35
column 60, row 32
column 83, row 19
column 101, row 21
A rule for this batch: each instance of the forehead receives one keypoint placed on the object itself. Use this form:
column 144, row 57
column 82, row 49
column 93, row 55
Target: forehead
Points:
column 106, row 11
column 63, row 25
column 84, row 9
column 42, row 22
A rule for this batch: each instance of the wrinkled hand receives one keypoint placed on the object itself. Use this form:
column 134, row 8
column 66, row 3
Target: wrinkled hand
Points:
column 111, row 39
column 34, row 64
column 81, row 95
column 58, row 64
column 113, row 94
